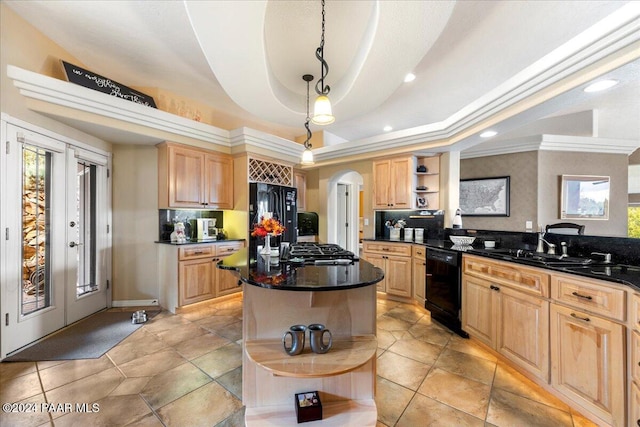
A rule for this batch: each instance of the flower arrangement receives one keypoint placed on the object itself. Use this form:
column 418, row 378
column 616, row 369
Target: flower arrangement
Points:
column 267, row 226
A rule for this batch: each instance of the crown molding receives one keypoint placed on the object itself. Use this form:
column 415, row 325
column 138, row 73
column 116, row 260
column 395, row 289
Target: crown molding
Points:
column 545, row 142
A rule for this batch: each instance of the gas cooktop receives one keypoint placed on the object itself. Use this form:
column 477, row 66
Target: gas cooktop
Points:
column 314, row 252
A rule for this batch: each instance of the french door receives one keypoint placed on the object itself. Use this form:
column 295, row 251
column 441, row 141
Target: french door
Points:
column 55, row 248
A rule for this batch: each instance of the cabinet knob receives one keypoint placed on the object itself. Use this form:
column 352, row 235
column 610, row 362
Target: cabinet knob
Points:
column 495, row 288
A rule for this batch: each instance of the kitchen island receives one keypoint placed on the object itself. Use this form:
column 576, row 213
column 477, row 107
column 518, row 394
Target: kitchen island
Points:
column 275, row 297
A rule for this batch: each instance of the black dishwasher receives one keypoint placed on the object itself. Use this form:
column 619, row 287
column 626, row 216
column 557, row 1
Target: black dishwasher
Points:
column 444, row 288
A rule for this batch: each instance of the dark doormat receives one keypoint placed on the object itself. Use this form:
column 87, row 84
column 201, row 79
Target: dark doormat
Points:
column 88, row 338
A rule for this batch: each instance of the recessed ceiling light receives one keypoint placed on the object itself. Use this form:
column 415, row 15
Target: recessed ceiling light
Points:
column 488, row 134
column 387, row 128
column 409, row 77
column 601, row 85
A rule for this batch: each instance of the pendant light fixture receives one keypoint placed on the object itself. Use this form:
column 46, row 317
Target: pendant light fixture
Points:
column 307, row 154
column 322, row 114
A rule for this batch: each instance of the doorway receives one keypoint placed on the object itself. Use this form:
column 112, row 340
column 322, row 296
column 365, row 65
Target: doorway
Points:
column 56, row 251
column 343, row 209
column 343, row 217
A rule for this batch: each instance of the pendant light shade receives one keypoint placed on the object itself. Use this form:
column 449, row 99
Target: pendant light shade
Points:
column 307, row 157
column 322, row 114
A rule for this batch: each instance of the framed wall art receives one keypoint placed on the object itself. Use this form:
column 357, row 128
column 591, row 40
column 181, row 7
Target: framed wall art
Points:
column 485, row 196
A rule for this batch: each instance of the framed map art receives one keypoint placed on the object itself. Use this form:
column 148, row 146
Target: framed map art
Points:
column 485, row 196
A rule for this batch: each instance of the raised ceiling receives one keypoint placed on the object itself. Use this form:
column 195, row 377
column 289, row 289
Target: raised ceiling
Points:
column 473, row 60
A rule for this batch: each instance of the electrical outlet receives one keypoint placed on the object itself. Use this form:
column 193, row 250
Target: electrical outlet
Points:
column 528, row 225
column 366, row 221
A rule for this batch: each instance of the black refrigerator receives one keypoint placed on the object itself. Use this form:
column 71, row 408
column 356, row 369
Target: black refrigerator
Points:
column 281, row 202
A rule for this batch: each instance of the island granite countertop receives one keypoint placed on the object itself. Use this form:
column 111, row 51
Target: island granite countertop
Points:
column 254, row 270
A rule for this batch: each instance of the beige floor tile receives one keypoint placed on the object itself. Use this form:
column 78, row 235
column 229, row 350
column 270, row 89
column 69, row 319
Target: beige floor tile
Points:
column 150, row 420
column 232, row 332
column 201, row 345
column 232, row 381
column 220, row 361
column 401, row 370
column 164, row 321
column 46, row 364
column 508, row 409
column 173, row 384
column 469, row 346
column 469, row 366
column 139, row 344
column 113, row 411
column 385, row 338
column 30, row 414
column 15, row 369
column 173, row 336
column 72, row 370
column 213, row 323
column 512, row 381
column 431, row 332
column 425, row 412
column 130, row 386
column 458, row 392
column 389, row 323
column 86, row 390
column 152, row 364
column 391, row 399
column 234, row 420
column 408, row 313
column 19, row 388
column 206, row 406
column 417, row 350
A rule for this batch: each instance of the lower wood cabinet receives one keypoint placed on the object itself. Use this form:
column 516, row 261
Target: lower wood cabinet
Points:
column 395, row 260
column 588, row 362
column 419, row 274
column 513, row 323
column 189, row 273
column 634, row 411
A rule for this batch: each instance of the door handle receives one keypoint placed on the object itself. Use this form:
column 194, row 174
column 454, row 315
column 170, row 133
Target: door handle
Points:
column 74, row 244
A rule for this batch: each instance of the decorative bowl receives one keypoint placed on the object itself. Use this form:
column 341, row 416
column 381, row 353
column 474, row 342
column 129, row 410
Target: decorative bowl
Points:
column 462, row 240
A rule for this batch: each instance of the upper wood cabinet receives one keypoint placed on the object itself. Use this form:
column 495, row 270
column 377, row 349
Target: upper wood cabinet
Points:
column 194, row 178
column 392, row 183
column 300, row 182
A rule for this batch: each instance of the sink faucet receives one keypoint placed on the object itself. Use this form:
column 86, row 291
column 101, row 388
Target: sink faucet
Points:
column 607, row 256
column 540, row 249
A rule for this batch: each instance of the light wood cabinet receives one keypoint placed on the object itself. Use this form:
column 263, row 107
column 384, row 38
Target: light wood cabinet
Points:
column 300, row 182
column 395, row 260
column 496, row 311
column 194, row 178
column 418, row 273
column 189, row 273
column 634, row 360
column 588, row 362
column 393, row 182
column 634, row 410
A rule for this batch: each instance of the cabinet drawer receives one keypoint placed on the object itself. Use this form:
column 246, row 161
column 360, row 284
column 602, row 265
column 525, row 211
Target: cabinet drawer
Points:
column 388, row 248
column 228, row 248
column 196, row 251
column 524, row 278
column 590, row 295
column 419, row 252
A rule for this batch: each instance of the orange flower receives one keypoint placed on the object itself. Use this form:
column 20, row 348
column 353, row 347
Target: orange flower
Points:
column 267, row 226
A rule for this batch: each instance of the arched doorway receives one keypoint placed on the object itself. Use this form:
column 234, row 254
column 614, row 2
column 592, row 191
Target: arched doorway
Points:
column 343, row 209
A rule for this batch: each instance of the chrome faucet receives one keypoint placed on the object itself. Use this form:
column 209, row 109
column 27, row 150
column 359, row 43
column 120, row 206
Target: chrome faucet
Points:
column 540, row 249
column 607, row 256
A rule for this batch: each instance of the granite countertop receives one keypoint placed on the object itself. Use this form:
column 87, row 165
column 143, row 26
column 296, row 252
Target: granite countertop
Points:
column 619, row 273
column 197, row 242
column 291, row 277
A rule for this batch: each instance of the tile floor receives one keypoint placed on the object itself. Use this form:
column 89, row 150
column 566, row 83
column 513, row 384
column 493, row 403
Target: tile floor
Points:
column 185, row 370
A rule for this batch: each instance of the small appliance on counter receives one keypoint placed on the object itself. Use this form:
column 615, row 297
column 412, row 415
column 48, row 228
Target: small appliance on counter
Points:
column 204, row 229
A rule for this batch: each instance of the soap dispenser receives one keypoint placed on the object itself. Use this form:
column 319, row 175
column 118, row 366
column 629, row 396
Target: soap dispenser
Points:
column 457, row 220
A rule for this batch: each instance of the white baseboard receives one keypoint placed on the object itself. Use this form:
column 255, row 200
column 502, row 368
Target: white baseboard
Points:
column 134, row 303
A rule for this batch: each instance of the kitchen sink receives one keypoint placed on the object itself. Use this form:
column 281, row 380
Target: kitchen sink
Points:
column 539, row 258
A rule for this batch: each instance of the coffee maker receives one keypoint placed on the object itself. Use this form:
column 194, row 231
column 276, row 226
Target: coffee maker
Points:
column 205, row 229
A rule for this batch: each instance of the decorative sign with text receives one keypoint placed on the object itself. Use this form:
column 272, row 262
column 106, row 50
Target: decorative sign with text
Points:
column 94, row 81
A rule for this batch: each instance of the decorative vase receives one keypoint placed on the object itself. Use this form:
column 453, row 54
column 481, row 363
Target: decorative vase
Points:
column 266, row 249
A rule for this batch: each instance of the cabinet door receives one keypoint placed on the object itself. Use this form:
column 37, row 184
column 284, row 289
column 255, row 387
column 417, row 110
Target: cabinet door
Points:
column 378, row 261
column 400, row 184
column 300, row 182
column 195, row 280
column 219, row 182
column 634, row 411
column 588, row 359
column 398, row 276
column 478, row 309
column 381, row 179
column 186, row 171
column 419, row 280
column 523, row 331
column 226, row 282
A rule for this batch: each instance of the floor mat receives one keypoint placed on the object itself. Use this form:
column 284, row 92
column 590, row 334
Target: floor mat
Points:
column 88, row 338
